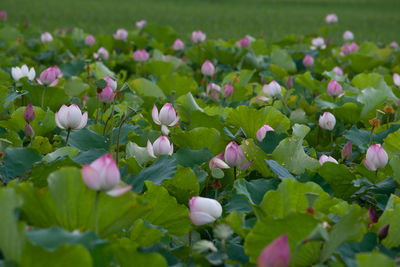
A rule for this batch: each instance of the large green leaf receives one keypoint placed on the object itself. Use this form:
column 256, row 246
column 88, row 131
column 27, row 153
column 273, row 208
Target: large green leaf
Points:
column 190, row 158
column 391, row 216
column 339, row 178
column 177, row 83
column 52, row 97
column 281, row 58
column 143, row 234
column 373, row 259
column 145, row 87
column 183, row 185
column 255, row 154
column 17, row 161
column 255, row 190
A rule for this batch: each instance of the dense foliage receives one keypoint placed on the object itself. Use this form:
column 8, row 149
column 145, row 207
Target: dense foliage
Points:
column 297, row 141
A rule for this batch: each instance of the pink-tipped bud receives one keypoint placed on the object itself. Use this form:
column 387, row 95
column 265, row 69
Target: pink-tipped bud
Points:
column 198, row 37
column 161, row 146
column 318, row 43
column 289, row 82
column 353, row 47
column 272, row 89
column 263, row 131
column 167, row 115
column 394, row 45
column 345, row 49
column 3, row 15
column 208, row 68
column 234, row 155
column 308, row 61
column 334, row 88
column 121, row 34
column 276, row 254
column 46, row 37
column 227, row 90
column 213, row 90
column 383, row 232
column 29, row 132
column 218, row 162
column 325, row 158
column 347, row 151
column 49, row 76
column 244, row 42
column 89, row 40
column 327, row 121
column 331, row 18
column 71, row 117
column 372, row 215
column 338, row 71
column 348, row 36
column 102, row 54
column 140, row 55
column 204, row 210
column 29, row 113
column 141, row 24
column 178, row 45
column 106, row 95
column 376, row 158
column 396, row 79
column 110, row 82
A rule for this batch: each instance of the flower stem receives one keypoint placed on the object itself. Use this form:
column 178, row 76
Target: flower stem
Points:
column 97, row 110
column 96, row 200
column 119, row 133
column 234, row 173
column 43, row 93
column 68, row 133
column 105, row 125
column 112, row 126
column 370, row 136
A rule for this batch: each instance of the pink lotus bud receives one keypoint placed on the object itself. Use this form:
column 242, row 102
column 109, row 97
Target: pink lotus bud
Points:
column 218, row 162
column 331, row 18
column 334, row 88
column 204, row 210
column 347, row 151
column 140, row 55
column 71, row 117
column 289, row 82
column 227, row 90
column 121, row 34
column 276, row 254
column 272, row 89
column 46, row 37
column 106, row 95
column 383, row 232
column 111, row 82
column 161, row 146
column 234, row 155
column 26, row 24
column 198, row 37
column 49, row 76
column 353, row 47
column 29, row 132
column 178, row 45
column 394, row 45
column 327, row 121
column 102, row 174
column 60, row 31
column 346, row 49
column 3, row 15
column 89, row 41
column 207, row 68
column 263, row 131
column 348, row 36
column 213, row 90
column 338, row 71
column 244, row 42
column 140, row 24
column 29, row 113
column 396, row 79
column 376, row 158
column 167, row 115
column 308, row 61
column 325, row 158
column 101, row 54
column 318, row 43
column 372, row 215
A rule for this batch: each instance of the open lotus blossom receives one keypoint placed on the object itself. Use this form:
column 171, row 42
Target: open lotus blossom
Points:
column 244, row 42
column 166, row 117
column 140, row 24
column 272, row 89
column 348, row 36
column 49, row 76
column 234, row 156
column 70, row 117
column 394, row 45
column 3, row 15
column 102, row 54
column 276, row 254
column 213, row 90
column 204, row 210
column 376, row 158
column 111, row 82
column 327, row 121
column 396, row 79
column 334, row 88
column 347, row 151
column 89, row 40
column 161, row 146
column 103, row 175
column 18, row 73
column 324, row 158
column 106, row 95
column 208, row 68
column 46, row 37
column 29, row 113
column 331, row 18
column 178, row 45
column 308, row 61
column 263, row 131
column 198, row 37
column 218, row 162
column 140, row 55
column 338, row 71
column 121, row 34
column 318, row 43
column 227, row 90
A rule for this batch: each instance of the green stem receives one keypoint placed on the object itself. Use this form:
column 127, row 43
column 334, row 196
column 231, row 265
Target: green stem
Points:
column 43, row 93
column 112, row 126
column 105, row 125
column 370, row 136
column 216, row 193
column 68, row 133
column 234, row 173
column 97, row 110
column 96, row 200
column 119, row 133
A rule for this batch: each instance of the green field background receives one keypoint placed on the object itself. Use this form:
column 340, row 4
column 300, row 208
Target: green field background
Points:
column 377, row 20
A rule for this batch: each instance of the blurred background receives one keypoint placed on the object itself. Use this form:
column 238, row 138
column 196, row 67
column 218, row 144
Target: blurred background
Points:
column 376, row 20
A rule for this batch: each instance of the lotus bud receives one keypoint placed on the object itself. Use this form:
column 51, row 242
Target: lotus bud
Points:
column 166, row 117
column 338, row 71
column 46, row 37
column 71, row 117
column 49, row 76
column 396, row 79
column 347, row 151
column 227, row 90
column 348, row 36
column 204, row 210
column 29, row 113
column 140, row 55
column 161, row 146
column 289, row 82
column 394, row 45
column 318, row 43
column 376, row 158
column 106, row 95
column 272, row 89
column 102, row 53
column 325, row 158
column 308, row 61
column 110, row 82
column 263, row 131
column 29, row 132
column 331, row 18
column 208, row 68
column 353, row 47
column 3, row 15
column 198, row 37
column 89, row 40
column 234, row 155
column 121, row 34
column 218, row 162
column 383, row 232
column 244, row 42
column 141, row 24
column 213, row 90
column 327, row 121
column 372, row 215
column 18, row 73
column 178, row 45
column 276, row 254
column 345, row 49
column 334, row 88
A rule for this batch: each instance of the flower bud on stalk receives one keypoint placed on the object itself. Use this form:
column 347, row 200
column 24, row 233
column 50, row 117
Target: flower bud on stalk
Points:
column 29, row 113
column 276, row 254
column 204, row 210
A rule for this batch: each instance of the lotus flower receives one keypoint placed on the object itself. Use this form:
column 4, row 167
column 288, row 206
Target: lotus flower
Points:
column 263, row 131
column 396, row 79
column 348, row 36
column 308, row 61
column 394, row 45
column 272, row 89
column 71, row 117
column 3, row 15
column 107, row 95
column 331, row 18
column 327, row 121
column 198, row 37
column 140, row 55
column 50, row 76
column 376, row 158
column 140, row 24
column 204, row 210
column 234, row 156
column 338, row 71
column 244, row 42
column 121, row 34
column 318, row 43
column 218, row 162
column 18, row 73
column 110, row 82
column 347, row 151
column 46, row 37
column 102, row 53
column 334, row 88
column 89, row 40
column 227, row 90
column 29, row 132
column 213, row 90
column 29, row 113
column 324, row 158
column 166, row 117
column 161, row 146
column 178, row 45
column 208, row 68
column 276, row 254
